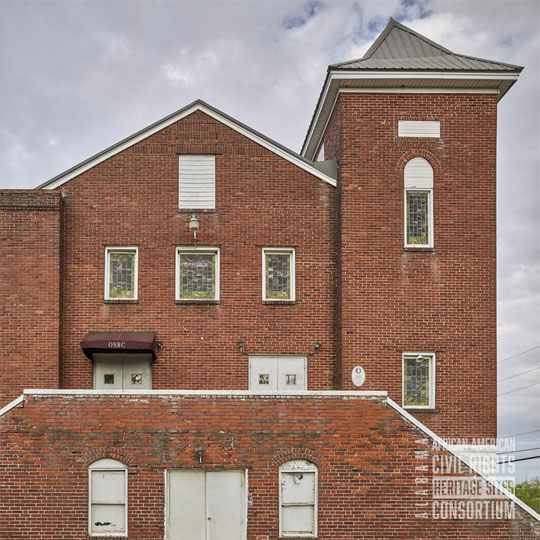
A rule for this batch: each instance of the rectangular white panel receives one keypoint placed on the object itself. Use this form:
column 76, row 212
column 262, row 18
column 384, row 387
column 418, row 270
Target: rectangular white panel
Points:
column 418, row 128
column 263, row 373
column 197, row 182
column 298, row 519
column 298, row 487
column 108, row 487
column 107, row 518
column 225, row 505
column 186, row 505
column 291, row 373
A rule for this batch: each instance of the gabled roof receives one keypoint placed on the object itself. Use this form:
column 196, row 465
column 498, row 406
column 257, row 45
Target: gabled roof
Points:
column 197, row 105
column 399, row 47
column 403, row 60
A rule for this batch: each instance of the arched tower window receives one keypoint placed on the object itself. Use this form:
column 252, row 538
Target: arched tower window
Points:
column 107, row 485
column 298, row 498
column 418, row 178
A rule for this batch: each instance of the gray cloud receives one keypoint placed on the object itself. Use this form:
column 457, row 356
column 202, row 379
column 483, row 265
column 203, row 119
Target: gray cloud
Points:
column 79, row 76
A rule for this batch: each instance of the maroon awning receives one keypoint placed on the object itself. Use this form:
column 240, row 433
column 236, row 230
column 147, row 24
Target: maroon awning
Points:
column 121, row 342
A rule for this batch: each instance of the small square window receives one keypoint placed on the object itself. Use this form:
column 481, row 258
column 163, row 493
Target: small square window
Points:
column 419, row 380
column 278, row 274
column 264, row 378
column 136, row 378
column 121, row 273
column 108, row 378
column 197, row 274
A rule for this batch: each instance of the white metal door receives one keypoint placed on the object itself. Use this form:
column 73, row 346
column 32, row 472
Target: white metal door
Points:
column 137, row 374
column 263, row 373
column 206, row 505
column 107, row 372
column 291, row 373
column 271, row 373
column 224, row 503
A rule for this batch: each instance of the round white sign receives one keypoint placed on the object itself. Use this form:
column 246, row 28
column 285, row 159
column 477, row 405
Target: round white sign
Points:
column 358, row 376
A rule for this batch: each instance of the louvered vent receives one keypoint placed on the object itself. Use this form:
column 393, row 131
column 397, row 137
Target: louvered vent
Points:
column 197, row 182
column 418, row 128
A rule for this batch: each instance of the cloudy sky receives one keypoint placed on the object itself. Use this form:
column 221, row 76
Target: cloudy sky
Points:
column 77, row 76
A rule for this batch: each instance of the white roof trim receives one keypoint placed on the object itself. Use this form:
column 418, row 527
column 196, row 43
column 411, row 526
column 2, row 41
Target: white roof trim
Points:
column 127, row 143
column 12, row 405
column 405, row 74
column 453, row 451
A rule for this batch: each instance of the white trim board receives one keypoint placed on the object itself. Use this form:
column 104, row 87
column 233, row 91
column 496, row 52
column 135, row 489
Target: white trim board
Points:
column 179, row 115
column 12, row 405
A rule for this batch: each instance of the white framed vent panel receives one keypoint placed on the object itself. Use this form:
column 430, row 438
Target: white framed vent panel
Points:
column 196, row 182
column 419, row 128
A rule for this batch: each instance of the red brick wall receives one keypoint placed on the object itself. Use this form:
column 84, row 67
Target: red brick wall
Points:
column 441, row 300
column 365, row 452
column 262, row 201
column 29, row 291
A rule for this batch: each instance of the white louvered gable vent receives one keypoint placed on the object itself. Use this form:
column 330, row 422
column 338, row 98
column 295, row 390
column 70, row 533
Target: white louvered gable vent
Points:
column 418, row 174
column 197, row 182
column 416, row 128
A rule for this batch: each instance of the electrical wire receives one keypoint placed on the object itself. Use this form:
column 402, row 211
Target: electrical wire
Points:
column 522, row 373
column 518, row 354
column 515, row 451
column 520, row 459
column 518, row 434
column 517, row 389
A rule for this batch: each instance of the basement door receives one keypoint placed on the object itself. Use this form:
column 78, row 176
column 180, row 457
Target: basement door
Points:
column 206, row 505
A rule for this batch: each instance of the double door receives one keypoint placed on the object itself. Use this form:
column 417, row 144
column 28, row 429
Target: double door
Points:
column 277, row 373
column 206, row 505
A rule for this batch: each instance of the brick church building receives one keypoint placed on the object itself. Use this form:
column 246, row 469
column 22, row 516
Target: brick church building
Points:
column 206, row 335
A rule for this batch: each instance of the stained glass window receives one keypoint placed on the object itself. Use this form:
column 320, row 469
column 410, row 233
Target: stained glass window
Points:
column 278, row 276
column 121, row 274
column 197, row 275
column 417, row 218
column 416, row 376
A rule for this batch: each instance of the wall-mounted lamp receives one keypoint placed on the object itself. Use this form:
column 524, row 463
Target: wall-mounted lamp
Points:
column 159, row 344
column 241, row 345
column 194, row 226
column 317, row 346
column 200, row 453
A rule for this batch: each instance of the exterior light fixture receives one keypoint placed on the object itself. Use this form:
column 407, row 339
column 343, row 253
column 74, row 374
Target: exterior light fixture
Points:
column 159, row 344
column 317, row 345
column 241, row 345
column 200, row 453
column 194, row 226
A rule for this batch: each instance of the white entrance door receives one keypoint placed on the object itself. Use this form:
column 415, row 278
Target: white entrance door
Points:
column 206, row 505
column 271, row 373
column 122, row 371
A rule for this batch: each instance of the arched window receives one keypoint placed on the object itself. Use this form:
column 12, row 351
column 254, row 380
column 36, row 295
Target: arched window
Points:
column 418, row 203
column 298, row 498
column 107, row 498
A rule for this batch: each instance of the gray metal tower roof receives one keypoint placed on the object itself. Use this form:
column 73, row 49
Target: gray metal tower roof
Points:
column 399, row 47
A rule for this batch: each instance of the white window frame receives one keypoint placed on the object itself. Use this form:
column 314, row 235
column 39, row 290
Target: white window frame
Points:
column 432, row 362
column 190, row 249
column 311, row 468
column 430, row 243
column 112, row 249
column 280, row 251
column 107, row 465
